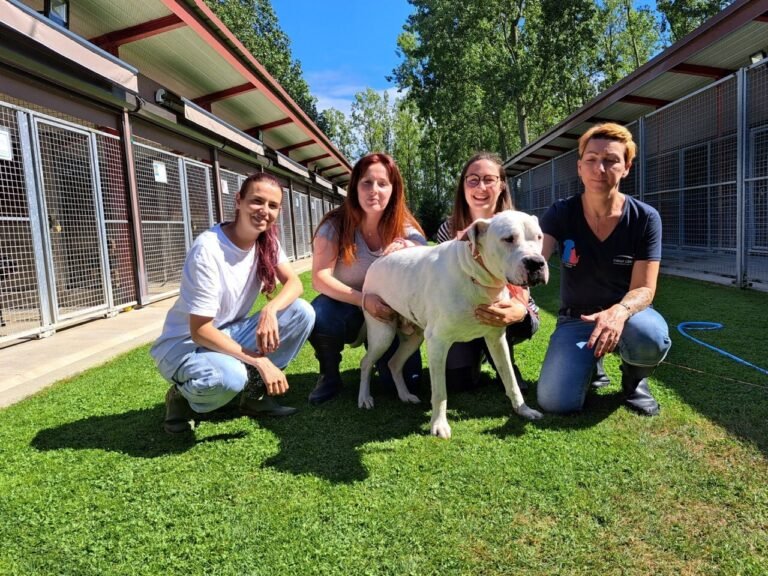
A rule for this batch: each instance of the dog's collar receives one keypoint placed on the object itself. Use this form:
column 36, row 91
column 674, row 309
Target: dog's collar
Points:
column 477, row 257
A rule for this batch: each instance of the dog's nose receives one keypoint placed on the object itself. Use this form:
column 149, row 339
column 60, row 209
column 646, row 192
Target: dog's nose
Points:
column 533, row 264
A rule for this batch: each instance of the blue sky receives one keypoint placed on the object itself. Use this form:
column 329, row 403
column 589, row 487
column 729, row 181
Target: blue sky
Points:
column 344, row 45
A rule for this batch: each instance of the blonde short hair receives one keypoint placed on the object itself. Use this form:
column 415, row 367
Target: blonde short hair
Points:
column 610, row 131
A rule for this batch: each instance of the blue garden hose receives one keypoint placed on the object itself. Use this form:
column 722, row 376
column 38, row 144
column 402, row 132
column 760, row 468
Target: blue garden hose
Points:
column 712, row 326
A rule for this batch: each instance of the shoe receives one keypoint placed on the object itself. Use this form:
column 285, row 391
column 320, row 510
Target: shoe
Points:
column 328, row 354
column 638, row 395
column 254, row 400
column 599, row 377
column 179, row 417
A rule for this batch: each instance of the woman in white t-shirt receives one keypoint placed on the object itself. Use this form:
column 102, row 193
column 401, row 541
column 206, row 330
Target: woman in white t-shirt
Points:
column 210, row 350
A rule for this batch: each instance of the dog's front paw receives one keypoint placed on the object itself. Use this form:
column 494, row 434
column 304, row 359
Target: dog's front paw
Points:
column 409, row 398
column 441, row 429
column 529, row 413
column 365, row 401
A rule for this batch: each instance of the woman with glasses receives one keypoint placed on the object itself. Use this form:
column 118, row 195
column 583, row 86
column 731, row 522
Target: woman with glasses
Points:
column 373, row 220
column 481, row 192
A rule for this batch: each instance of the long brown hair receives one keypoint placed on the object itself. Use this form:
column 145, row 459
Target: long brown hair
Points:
column 267, row 244
column 347, row 217
column 461, row 218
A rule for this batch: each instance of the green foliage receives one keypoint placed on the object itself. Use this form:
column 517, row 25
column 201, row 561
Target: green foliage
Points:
column 683, row 16
column 91, row 485
column 339, row 130
column 371, row 119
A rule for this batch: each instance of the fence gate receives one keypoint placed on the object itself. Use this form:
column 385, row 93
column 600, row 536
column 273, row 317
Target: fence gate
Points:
column 73, row 233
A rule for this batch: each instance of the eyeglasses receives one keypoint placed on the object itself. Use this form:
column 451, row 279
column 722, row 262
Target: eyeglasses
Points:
column 474, row 181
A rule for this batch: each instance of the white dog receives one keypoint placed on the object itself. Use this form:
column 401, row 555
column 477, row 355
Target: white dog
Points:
column 437, row 289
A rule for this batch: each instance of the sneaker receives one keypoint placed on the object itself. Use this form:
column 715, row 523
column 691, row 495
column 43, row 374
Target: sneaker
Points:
column 179, row 417
column 254, row 400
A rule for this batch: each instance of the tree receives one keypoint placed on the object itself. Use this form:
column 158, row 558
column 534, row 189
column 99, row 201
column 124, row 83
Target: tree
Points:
column 681, row 17
column 408, row 135
column 339, row 130
column 255, row 24
column 372, row 122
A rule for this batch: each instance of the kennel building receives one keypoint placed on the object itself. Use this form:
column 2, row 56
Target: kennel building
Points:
column 126, row 129
column 699, row 114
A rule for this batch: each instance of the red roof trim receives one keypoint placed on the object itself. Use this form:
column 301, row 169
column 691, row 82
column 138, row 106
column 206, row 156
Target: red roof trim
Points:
column 287, row 149
column 209, row 99
column 235, row 53
column 315, row 159
column 111, row 41
column 698, row 70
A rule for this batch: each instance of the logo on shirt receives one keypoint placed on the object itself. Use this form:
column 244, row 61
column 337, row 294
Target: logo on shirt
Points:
column 623, row 260
column 570, row 257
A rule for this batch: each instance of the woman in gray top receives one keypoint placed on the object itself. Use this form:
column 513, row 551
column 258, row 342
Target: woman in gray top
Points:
column 348, row 240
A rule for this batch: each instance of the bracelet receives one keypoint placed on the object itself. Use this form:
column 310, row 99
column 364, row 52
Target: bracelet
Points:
column 627, row 308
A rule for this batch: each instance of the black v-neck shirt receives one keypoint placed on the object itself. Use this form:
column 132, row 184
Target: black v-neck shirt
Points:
column 593, row 273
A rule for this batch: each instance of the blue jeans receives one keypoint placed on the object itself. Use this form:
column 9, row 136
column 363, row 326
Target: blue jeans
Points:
column 342, row 322
column 568, row 365
column 209, row 380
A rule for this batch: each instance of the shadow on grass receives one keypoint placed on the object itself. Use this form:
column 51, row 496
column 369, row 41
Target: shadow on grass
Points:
column 323, row 441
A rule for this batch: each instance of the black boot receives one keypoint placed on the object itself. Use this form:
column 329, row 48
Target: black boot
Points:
column 638, row 397
column 328, row 354
column 599, row 377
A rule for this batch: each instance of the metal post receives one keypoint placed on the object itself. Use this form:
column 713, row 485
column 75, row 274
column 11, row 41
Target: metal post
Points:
column 37, row 224
column 217, row 185
column 641, row 156
column 134, row 212
column 741, row 157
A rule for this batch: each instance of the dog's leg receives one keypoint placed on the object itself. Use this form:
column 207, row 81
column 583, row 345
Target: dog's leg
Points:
column 499, row 350
column 405, row 349
column 380, row 336
column 437, row 352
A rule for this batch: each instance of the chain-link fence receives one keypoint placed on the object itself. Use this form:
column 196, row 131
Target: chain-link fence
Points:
column 698, row 165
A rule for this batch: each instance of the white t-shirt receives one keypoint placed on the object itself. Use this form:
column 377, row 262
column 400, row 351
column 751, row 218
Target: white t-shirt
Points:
column 219, row 281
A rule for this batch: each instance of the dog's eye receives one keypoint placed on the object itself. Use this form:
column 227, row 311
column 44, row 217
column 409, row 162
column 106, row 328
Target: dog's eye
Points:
column 510, row 239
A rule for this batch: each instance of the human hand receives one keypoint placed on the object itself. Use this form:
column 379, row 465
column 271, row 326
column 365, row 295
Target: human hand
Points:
column 397, row 244
column 267, row 331
column 274, row 379
column 377, row 308
column 609, row 324
column 502, row 313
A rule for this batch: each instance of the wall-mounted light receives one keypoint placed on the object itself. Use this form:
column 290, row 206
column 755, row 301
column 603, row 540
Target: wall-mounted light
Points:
column 757, row 56
column 58, row 11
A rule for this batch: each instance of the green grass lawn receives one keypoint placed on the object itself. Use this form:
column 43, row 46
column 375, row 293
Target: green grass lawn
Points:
column 91, row 485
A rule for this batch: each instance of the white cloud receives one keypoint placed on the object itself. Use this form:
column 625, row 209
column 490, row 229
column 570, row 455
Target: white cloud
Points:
column 337, row 89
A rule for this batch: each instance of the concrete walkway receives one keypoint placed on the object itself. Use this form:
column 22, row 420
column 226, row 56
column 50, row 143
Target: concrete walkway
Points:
column 30, row 366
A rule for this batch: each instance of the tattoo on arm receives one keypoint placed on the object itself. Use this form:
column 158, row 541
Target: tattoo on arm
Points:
column 638, row 299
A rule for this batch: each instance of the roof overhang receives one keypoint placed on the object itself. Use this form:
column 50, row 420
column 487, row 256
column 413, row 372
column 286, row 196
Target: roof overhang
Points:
column 29, row 24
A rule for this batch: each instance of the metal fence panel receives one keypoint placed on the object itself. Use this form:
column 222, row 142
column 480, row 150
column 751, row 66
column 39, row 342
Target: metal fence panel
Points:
column 115, row 205
column 286, row 226
column 756, row 185
column 74, row 234
column 567, row 182
column 230, row 187
column 690, row 177
column 19, row 296
column 317, row 211
column 162, row 218
column 541, row 189
column 198, row 186
column 301, row 225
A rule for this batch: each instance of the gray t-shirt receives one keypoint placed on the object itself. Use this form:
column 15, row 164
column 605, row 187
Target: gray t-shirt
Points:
column 353, row 274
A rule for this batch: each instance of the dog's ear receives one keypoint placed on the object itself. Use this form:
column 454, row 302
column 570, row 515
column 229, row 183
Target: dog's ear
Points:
column 474, row 231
